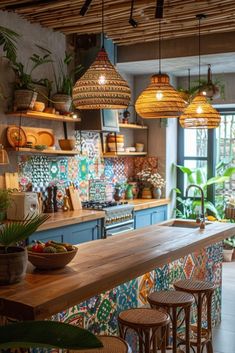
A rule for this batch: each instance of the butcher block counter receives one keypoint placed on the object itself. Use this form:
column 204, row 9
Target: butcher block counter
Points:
column 103, row 264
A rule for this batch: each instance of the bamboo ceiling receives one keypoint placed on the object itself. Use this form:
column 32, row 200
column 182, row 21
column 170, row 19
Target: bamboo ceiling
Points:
column 179, row 17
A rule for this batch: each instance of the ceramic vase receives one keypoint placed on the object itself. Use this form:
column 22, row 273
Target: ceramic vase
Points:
column 146, row 193
column 129, row 192
column 157, row 192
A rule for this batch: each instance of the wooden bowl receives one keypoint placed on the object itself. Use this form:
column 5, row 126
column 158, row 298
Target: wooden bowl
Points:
column 51, row 261
column 67, row 144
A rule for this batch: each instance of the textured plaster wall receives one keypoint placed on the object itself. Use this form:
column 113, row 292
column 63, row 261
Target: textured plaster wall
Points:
column 31, row 34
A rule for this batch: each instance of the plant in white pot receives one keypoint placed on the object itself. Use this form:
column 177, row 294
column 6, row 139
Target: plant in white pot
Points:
column 228, row 249
column 14, row 257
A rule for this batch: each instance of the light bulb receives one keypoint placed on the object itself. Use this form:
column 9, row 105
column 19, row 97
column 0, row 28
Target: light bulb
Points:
column 159, row 95
column 199, row 110
column 102, row 80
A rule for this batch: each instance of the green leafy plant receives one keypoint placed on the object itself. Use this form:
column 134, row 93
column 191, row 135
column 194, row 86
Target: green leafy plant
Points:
column 46, row 334
column 14, row 232
column 64, row 81
column 5, row 199
column 198, row 176
column 229, row 243
column 24, row 72
column 8, row 40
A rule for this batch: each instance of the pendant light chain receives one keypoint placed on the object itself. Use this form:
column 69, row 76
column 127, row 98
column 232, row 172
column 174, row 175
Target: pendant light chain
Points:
column 159, row 47
column 102, row 23
column 189, row 80
column 199, row 52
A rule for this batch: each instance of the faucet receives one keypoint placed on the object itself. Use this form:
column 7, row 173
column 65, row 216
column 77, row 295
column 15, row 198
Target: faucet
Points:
column 200, row 219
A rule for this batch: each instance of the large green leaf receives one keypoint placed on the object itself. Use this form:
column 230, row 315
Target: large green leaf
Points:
column 200, row 176
column 184, row 169
column 47, row 334
column 229, row 172
column 208, row 206
column 217, row 180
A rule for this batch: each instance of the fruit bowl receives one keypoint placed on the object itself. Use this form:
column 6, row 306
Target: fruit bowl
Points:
column 51, row 261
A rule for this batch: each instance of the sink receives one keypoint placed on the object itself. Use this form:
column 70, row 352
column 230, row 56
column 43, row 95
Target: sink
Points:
column 182, row 223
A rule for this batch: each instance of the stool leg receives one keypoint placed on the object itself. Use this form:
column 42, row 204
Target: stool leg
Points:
column 199, row 323
column 187, row 328
column 163, row 334
column 209, row 345
column 141, row 340
column 174, row 329
column 147, row 341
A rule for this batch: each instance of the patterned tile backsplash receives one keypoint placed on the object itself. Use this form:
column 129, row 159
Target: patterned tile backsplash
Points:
column 88, row 171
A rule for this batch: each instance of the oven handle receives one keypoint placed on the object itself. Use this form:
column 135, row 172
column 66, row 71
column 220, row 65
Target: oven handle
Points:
column 120, row 232
column 120, row 224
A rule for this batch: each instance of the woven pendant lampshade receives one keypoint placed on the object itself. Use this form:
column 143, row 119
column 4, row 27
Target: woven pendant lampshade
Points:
column 101, row 87
column 199, row 114
column 159, row 100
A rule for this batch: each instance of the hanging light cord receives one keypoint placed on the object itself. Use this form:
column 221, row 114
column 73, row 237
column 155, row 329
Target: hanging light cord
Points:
column 102, row 23
column 159, row 47
column 199, row 51
column 189, row 80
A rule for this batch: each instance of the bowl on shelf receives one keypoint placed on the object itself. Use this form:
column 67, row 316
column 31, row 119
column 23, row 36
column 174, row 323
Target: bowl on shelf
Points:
column 119, row 146
column 51, row 261
column 40, row 147
column 67, row 144
column 139, row 147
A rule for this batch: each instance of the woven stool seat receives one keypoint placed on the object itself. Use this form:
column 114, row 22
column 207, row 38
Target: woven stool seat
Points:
column 200, row 336
column 194, row 286
column 111, row 344
column 171, row 298
column 147, row 324
column 144, row 317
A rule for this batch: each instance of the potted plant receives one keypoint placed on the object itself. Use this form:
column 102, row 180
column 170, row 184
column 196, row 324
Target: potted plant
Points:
column 5, row 201
column 64, row 81
column 25, row 93
column 228, row 249
column 145, row 185
column 157, row 183
column 46, row 334
column 14, row 257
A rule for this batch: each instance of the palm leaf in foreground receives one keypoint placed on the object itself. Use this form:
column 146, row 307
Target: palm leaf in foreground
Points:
column 47, row 334
column 13, row 232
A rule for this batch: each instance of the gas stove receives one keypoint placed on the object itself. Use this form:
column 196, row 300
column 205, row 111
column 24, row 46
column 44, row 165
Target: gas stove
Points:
column 118, row 215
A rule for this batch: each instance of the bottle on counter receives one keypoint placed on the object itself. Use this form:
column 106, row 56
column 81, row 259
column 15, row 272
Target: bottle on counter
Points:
column 55, row 189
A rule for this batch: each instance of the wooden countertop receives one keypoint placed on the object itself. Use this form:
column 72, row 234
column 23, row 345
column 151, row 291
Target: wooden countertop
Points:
column 103, row 264
column 142, row 204
column 63, row 219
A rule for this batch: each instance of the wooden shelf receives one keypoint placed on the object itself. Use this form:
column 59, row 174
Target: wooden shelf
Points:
column 52, row 152
column 133, row 126
column 43, row 116
column 123, row 154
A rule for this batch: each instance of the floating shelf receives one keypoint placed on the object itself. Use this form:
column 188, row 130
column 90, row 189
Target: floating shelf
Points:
column 52, row 152
column 43, row 116
column 133, row 126
column 123, row 154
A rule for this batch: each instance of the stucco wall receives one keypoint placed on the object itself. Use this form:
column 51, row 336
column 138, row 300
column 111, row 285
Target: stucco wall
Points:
column 31, row 34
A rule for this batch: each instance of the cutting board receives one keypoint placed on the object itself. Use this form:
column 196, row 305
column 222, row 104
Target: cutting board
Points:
column 12, row 181
column 75, row 199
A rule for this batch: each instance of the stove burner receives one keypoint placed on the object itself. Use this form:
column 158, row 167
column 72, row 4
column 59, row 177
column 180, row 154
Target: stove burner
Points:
column 100, row 205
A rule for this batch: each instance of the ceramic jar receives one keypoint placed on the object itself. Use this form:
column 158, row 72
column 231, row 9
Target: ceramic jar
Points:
column 146, row 193
column 129, row 192
column 157, row 193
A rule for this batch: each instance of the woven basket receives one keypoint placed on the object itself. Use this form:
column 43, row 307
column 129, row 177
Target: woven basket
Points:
column 101, row 87
column 230, row 212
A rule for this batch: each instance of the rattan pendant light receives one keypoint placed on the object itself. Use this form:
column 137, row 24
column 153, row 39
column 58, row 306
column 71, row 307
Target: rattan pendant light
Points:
column 200, row 114
column 159, row 99
column 101, row 87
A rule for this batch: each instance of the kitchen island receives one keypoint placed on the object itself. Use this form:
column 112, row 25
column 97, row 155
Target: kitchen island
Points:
column 109, row 275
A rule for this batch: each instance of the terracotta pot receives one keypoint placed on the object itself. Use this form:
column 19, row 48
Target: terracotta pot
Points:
column 13, row 264
column 146, row 193
column 62, row 102
column 24, row 99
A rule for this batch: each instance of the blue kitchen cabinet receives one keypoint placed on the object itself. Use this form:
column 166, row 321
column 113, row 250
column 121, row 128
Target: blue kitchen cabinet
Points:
column 73, row 234
column 150, row 216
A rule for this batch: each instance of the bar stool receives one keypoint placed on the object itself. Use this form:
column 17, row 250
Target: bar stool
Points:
column 202, row 291
column 146, row 323
column 111, row 344
column 174, row 303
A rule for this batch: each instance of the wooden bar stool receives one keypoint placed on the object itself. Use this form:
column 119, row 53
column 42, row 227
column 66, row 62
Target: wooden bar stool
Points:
column 174, row 303
column 111, row 344
column 202, row 291
column 146, row 323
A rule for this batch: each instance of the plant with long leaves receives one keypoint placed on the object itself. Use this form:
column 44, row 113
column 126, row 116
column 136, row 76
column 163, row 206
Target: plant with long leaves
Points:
column 198, row 176
column 8, row 40
column 46, row 334
column 13, row 232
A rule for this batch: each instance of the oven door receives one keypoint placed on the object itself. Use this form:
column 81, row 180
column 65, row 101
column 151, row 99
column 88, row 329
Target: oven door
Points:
column 119, row 228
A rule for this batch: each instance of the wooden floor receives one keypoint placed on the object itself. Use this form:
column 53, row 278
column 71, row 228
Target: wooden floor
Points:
column 224, row 335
